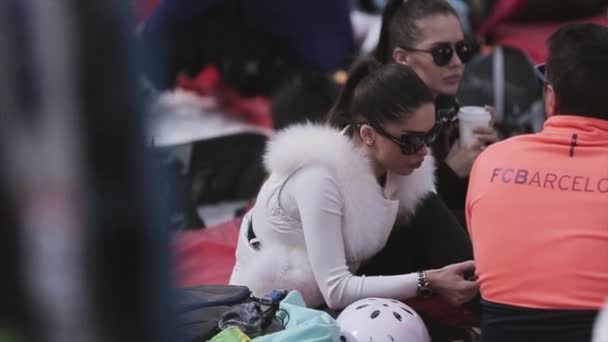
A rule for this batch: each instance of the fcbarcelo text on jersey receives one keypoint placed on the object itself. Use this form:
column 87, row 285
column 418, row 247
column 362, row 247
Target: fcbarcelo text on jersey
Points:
column 550, row 180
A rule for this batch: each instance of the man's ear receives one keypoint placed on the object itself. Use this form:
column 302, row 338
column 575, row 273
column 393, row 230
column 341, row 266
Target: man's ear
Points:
column 367, row 134
column 400, row 56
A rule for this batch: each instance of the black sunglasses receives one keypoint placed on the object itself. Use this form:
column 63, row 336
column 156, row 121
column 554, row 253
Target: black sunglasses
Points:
column 408, row 142
column 443, row 52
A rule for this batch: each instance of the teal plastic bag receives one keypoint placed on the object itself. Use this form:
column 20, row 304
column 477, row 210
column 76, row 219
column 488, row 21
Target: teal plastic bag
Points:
column 302, row 324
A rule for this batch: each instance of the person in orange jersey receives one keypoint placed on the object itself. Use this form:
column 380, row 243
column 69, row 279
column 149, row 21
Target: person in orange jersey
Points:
column 537, row 205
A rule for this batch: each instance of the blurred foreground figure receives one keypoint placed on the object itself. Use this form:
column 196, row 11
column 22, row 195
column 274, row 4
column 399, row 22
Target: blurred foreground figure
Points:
column 81, row 235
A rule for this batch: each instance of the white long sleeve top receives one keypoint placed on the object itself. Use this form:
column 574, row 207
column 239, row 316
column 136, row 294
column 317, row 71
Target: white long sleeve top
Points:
column 311, row 237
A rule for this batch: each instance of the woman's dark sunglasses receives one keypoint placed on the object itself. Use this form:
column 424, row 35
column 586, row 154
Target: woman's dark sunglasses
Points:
column 409, row 142
column 443, row 52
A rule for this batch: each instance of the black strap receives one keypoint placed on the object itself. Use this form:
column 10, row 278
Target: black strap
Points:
column 251, row 237
column 573, row 144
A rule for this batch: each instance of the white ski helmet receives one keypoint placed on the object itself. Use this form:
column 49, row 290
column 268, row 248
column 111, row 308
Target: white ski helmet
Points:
column 381, row 319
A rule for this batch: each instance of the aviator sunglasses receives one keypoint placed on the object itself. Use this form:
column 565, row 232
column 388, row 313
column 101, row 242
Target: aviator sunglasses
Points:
column 443, row 52
column 408, row 142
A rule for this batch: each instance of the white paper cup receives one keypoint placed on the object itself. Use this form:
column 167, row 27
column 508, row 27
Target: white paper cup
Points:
column 470, row 117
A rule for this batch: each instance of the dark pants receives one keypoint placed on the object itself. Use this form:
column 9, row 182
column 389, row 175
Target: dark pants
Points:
column 503, row 323
column 432, row 239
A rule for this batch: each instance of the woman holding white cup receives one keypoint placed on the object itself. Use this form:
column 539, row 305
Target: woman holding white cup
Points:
column 428, row 36
column 469, row 119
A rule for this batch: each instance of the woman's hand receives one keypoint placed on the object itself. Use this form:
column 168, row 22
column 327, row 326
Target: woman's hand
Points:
column 487, row 135
column 461, row 158
column 449, row 282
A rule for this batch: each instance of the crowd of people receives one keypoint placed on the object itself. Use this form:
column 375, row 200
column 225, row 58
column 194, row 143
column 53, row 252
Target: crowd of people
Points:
column 377, row 201
column 367, row 204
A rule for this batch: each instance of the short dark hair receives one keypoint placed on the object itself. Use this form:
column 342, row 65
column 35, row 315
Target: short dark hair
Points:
column 378, row 93
column 577, row 68
column 399, row 26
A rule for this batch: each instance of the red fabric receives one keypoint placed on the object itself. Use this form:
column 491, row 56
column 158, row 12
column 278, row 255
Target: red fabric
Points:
column 205, row 256
column 254, row 110
column 531, row 38
column 502, row 11
column 203, row 83
column 444, row 312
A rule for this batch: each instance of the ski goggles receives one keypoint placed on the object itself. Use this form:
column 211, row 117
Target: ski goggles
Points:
column 443, row 52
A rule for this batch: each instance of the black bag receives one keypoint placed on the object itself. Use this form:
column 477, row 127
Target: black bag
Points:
column 204, row 296
column 201, row 308
column 227, row 168
column 506, row 80
column 205, row 310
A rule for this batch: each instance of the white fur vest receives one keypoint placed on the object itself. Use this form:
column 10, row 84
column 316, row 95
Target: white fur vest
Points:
column 369, row 212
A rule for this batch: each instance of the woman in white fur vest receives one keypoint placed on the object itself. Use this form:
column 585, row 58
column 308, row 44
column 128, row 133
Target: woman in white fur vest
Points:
column 333, row 197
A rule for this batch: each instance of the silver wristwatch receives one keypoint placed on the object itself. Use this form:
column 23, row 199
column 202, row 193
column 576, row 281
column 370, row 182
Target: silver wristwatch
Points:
column 424, row 288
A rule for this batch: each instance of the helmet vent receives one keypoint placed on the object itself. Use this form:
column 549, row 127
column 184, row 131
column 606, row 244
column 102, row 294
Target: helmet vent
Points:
column 375, row 314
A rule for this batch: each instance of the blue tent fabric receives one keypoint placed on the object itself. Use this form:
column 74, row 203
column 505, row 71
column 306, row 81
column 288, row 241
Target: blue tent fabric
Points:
column 170, row 14
column 318, row 31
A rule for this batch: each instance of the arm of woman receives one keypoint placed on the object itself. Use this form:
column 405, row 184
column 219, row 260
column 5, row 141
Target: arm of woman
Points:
column 453, row 172
column 315, row 197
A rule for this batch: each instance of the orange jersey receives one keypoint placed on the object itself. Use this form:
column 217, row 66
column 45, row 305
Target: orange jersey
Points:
column 537, row 212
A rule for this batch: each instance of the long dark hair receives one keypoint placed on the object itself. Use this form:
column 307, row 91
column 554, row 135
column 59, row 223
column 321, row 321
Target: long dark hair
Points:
column 399, row 23
column 378, row 93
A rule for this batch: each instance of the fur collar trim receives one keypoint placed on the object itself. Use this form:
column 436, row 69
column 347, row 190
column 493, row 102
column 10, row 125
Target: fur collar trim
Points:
column 306, row 144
